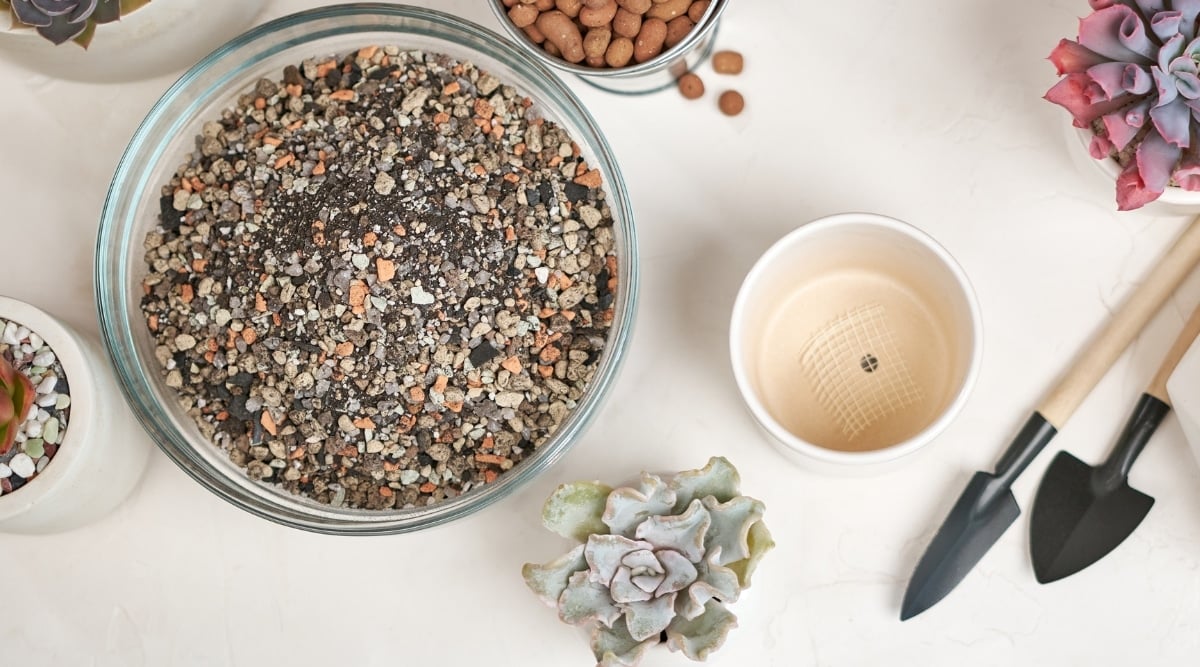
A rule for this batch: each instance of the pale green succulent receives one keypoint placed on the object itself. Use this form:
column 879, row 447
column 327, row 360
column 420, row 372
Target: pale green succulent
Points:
column 657, row 563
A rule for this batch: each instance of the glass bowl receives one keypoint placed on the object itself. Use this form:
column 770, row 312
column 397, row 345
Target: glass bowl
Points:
column 168, row 134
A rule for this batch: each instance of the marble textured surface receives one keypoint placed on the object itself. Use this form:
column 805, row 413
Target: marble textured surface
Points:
column 927, row 111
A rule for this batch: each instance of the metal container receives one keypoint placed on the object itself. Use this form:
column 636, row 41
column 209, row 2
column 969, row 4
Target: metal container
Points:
column 648, row 77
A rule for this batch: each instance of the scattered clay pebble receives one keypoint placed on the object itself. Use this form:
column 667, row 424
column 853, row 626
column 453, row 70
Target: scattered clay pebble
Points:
column 732, row 103
column 691, row 86
column 727, row 62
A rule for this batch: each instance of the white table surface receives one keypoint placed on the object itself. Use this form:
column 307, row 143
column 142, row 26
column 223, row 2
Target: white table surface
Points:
column 928, row 111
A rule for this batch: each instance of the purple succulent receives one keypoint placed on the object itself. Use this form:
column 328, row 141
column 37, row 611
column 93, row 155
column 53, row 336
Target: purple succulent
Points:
column 56, row 20
column 63, row 20
column 1132, row 78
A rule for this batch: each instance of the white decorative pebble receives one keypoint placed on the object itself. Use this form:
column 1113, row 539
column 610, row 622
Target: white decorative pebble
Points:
column 44, row 359
column 420, row 296
column 542, row 273
column 48, row 401
column 22, row 465
column 33, row 430
column 10, row 334
column 47, row 385
column 64, row 402
column 42, row 463
column 36, row 341
column 5, row 471
column 22, row 333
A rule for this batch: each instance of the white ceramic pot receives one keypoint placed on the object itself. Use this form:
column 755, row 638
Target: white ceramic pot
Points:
column 104, row 450
column 1174, row 201
column 855, row 341
column 164, row 36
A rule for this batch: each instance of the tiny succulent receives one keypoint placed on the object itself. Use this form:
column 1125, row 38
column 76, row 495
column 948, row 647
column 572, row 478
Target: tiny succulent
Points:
column 63, row 20
column 1133, row 79
column 16, row 397
column 655, row 563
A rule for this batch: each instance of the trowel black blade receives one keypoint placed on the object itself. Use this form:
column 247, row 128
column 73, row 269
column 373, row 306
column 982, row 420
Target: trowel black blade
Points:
column 983, row 512
column 1076, row 522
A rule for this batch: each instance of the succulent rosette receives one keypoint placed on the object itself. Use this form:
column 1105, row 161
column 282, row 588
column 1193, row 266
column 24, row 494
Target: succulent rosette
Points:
column 655, row 563
column 63, row 20
column 1132, row 79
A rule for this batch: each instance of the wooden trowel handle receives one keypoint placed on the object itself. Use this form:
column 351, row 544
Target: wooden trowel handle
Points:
column 1158, row 386
column 1104, row 350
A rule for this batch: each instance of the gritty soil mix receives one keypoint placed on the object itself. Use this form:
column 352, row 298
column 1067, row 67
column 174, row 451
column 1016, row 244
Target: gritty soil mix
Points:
column 382, row 280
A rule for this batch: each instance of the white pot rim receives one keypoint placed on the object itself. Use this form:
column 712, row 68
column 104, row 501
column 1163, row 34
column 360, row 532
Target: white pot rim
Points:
column 877, row 457
column 1110, row 168
column 66, row 346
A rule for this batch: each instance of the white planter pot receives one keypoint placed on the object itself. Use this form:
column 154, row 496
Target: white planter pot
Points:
column 103, row 452
column 1174, row 201
column 164, row 36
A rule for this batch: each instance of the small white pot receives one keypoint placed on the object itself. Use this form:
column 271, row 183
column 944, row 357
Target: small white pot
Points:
column 104, row 451
column 1174, row 201
column 164, row 36
column 855, row 340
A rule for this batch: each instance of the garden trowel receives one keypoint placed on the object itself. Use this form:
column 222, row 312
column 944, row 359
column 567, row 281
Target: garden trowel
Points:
column 1083, row 512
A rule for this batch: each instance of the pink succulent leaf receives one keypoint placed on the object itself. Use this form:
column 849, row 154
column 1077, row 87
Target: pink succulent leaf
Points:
column 1188, row 85
column 1172, row 49
column 1190, row 12
column 1110, row 77
column 1100, row 147
column 1072, row 93
column 1102, row 32
column 1151, row 7
column 1165, row 24
column 1131, row 190
column 1101, row 4
column 1183, row 65
column 1132, row 33
column 1165, row 83
column 1118, row 131
column 1136, row 114
column 1136, row 79
column 1095, row 93
column 1187, row 176
column 1156, row 161
column 1069, row 57
column 1173, row 123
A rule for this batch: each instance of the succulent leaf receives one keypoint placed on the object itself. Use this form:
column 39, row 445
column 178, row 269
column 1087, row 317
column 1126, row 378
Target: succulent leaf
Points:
column 714, row 582
column 574, row 510
column 615, row 647
column 550, row 580
column 7, row 410
column 629, row 507
column 760, row 543
column 730, row 527
column 647, row 619
column 700, row 636
column 683, row 532
column 604, row 554
column 625, row 592
column 585, row 602
column 718, row 479
column 679, row 572
column 16, row 397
